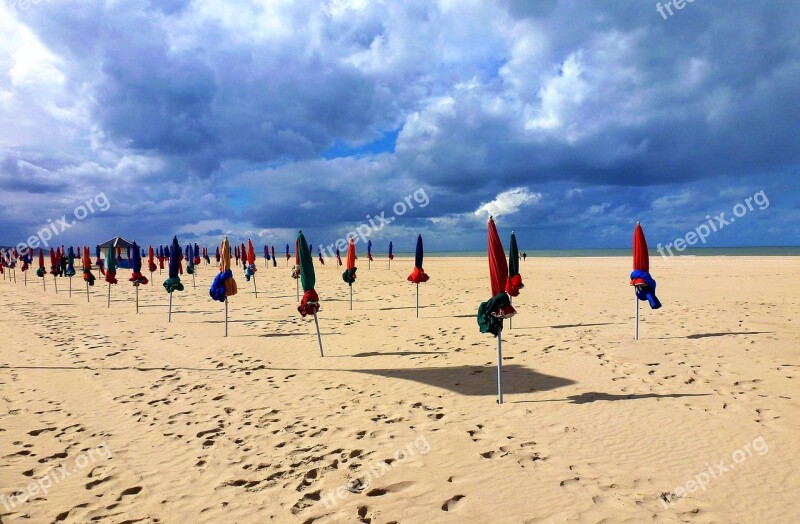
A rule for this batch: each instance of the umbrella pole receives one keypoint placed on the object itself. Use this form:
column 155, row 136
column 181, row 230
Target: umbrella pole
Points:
column 26, row 279
column 297, row 289
column 255, row 288
column 636, row 328
column 70, row 287
column 417, row 300
column 137, row 300
column 151, row 278
column 44, row 283
column 319, row 337
column 109, row 294
column 87, row 291
column 169, row 315
column 351, row 297
column 193, row 282
column 226, row 316
column 499, row 368
column 510, row 319
column 55, row 283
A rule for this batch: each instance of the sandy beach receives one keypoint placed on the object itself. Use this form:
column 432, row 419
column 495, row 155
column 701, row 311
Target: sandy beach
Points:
column 110, row 416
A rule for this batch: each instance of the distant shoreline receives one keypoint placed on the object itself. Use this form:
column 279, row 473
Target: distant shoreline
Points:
column 782, row 251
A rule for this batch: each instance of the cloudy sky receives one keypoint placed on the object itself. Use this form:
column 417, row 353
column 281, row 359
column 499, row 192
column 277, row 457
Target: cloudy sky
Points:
column 567, row 120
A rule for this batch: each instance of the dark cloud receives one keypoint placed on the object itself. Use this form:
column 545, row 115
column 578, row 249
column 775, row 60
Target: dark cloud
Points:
column 218, row 118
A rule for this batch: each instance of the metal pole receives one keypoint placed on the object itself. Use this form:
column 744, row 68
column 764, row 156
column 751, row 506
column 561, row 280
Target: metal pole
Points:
column 193, row 283
column 636, row 330
column 137, row 300
column 510, row 319
column 151, row 278
column 70, row 287
column 169, row 315
column 319, row 337
column 109, row 294
column 351, row 297
column 297, row 289
column 226, row 316
column 499, row 368
column 255, row 288
column 87, row 291
column 44, row 283
column 55, row 283
column 417, row 300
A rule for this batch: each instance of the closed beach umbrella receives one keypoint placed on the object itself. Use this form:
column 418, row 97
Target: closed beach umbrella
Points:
column 309, row 305
column 319, row 254
column 110, row 272
column 418, row 276
column 514, row 281
column 266, row 256
column 250, row 270
column 349, row 275
column 645, row 285
column 288, row 256
column 369, row 254
column 88, row 277
column 391, row 254
column 224, row 285
column 173, row 283
column 70, row 262
column 274, row 259
column 41, row 272
column 338, row 257
column 492, row 312
column 151, row 263
column 136, row 274
column 216, row 255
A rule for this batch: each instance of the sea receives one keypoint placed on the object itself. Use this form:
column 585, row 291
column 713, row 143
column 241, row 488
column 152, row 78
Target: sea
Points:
column 768, row 251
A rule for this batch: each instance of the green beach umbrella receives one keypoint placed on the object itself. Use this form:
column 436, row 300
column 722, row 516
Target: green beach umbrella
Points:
column 514, row 282
column 309, row 305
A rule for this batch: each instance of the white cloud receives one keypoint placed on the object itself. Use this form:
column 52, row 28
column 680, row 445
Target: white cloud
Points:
column 508, row 202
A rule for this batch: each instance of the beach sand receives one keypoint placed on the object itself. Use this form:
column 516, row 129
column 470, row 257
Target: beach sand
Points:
column 150, row 421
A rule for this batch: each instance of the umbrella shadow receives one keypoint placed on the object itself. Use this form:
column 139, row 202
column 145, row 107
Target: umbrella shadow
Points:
column 595, row 396
column 475, row 380
column 393, row 353
column 712, row 335
column 732, row 333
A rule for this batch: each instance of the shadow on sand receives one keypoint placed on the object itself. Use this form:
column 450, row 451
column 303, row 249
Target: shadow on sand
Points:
column 475, row 380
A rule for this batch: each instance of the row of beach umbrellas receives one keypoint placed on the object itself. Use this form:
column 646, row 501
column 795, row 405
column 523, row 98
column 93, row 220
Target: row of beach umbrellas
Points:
column 505, row 280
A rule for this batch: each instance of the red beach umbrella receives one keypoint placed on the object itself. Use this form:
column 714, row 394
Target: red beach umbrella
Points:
column 644, row 284
column 492, row 312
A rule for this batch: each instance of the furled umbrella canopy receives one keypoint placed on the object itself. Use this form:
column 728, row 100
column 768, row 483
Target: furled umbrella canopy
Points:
column 136, row 275
column 310, row 301
column 41, row 272
column 224, row 284
column 70, row 262
column 288, row 256
column 274, row 260
column 319, row 255
column 418, row 276
column 338, row 257
column 111, row 266
column 190, row 259
column 492, row 312
column 87, row 266
column 54, row 269
column 173, row 283
column 196, row 251
column 640, row 277
column 349, row 274
column 151, row 263
column 217, row 255
column 250, row 268
column 369, row 250
column 243, row 256
column 514, row 282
